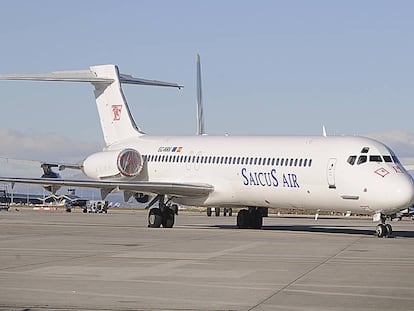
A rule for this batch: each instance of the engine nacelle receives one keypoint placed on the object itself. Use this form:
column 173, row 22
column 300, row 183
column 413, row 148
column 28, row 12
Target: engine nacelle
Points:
column 124, row 164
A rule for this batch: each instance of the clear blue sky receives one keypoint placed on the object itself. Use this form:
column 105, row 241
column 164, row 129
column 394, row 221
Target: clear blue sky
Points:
column 269, row 68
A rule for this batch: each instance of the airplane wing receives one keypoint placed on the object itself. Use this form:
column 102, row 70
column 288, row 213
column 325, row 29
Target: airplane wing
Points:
column 163, row 188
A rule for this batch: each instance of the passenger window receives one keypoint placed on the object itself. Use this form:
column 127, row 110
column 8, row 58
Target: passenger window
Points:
column 387, row 159
column 310, row 162
column 375, row 158
column 362, row 159
column 305, row 162
column 351, row 159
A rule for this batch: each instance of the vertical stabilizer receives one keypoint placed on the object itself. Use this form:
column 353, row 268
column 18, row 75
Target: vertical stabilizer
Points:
column 116, row 119
column 200, row 113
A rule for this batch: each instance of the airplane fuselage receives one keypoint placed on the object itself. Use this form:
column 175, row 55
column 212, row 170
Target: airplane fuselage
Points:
column 306, row 172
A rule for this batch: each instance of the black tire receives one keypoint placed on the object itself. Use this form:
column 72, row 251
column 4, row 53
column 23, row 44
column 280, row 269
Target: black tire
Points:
column 154, row 218
column 225, row 211
column 256, row 219
column 230, row 211
column 174, row 208
column 208, row 211
column 388, row 229
column 217, row 211
column 381, row 231
column 243, row 219
column 168, row 219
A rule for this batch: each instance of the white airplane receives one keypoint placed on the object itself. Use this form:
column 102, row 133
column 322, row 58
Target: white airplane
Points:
column 341, row 173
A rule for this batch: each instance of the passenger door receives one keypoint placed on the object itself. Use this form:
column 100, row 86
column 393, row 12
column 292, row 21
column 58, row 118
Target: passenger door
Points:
column 331, row 173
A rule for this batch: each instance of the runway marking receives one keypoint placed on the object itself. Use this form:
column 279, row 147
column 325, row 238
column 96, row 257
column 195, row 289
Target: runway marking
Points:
column 349, row 294
column 305, row 274
column 134, row 298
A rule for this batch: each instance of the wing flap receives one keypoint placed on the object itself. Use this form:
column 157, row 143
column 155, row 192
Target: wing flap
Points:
column 174, row 189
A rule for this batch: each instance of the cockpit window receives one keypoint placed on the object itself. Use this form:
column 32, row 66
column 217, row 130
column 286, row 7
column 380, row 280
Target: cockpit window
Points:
column 387, row 158
column 365, row 150
column 394, row 157
column 396, row 161
column 362, row 159
column 351, row 159
column 375, row 158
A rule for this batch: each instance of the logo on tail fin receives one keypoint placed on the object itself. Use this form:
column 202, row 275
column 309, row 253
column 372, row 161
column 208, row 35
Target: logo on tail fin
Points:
column 116, row 109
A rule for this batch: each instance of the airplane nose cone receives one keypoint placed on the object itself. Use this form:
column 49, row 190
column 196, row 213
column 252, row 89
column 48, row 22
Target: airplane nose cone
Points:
column 403, row 196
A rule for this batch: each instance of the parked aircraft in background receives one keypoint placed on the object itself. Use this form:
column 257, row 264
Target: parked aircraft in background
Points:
column 345, row 173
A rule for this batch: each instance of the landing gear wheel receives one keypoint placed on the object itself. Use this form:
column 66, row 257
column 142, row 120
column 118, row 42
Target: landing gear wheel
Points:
column 388, row 229
column 154, row 218
column 168, row 219
column 217, row 211
column 256, row 220
column 174, row 208
column 243, row 219
column 381, row 231
column 230, row 210
column 208, row 211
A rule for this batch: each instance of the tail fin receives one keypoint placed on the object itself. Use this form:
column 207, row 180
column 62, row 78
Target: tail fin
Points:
column 200, row 113
column 116, row 119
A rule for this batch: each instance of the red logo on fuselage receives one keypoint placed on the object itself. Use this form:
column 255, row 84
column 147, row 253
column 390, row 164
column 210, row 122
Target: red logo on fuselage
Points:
column 116, row 109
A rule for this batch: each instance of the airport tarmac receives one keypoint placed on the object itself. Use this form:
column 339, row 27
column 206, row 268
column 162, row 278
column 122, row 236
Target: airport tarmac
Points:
column 76, row 261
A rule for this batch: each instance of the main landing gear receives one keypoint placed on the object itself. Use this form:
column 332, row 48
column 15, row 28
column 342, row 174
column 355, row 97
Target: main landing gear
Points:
column 250, row 218
column 163, row 215
column 383, row 230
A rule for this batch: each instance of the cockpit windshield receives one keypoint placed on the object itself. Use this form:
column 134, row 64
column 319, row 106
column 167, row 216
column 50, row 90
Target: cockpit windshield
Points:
column 365, row 157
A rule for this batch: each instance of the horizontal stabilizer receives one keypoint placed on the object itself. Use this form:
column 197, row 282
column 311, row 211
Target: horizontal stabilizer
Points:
column 68, row 76
column 85, row 76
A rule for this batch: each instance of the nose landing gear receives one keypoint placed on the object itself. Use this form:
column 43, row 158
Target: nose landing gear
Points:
column 383, row 230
